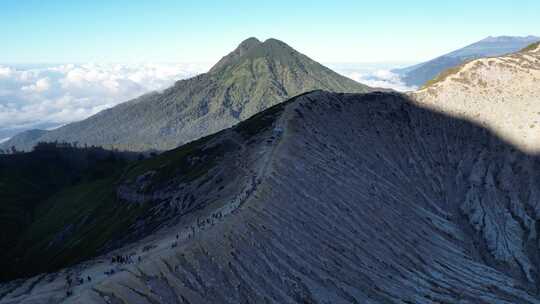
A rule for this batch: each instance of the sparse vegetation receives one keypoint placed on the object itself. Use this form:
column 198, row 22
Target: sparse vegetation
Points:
column 187, row 162
column 444, row 75
column 531, row 47
column 259, row 122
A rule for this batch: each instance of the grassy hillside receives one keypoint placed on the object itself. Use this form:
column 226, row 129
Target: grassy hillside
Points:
column 58, row 206
column 531, row 47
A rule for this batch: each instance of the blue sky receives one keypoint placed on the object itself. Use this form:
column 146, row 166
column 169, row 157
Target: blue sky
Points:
column 203, row 31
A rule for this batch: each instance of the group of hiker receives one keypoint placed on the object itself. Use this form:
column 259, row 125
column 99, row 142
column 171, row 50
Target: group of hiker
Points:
column 122, row 259
column 78, row 281
column 116, row 259
column 109, row 272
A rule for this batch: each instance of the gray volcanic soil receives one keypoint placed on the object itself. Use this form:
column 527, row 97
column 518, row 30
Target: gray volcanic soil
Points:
column 350, row 198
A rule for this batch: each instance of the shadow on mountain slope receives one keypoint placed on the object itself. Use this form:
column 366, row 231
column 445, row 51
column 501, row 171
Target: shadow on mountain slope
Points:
column 61, row 204
column 54, row 188
column 339, row 198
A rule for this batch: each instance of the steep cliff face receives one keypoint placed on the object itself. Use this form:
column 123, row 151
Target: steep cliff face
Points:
column 329, row 198
column 501, row 93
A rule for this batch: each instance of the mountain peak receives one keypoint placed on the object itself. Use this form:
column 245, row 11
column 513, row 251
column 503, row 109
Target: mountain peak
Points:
column 249, row 43
column 275, row 45
column 274, row 41
column 243, row 48
column 254, row 48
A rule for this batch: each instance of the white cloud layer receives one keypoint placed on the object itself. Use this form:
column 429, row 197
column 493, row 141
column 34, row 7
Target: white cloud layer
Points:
column 45, row 97
column 50, row 96
column 374, row 75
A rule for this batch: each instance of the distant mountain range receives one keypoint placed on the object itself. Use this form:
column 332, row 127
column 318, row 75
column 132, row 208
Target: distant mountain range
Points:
column 253, row 77
column 418, row 75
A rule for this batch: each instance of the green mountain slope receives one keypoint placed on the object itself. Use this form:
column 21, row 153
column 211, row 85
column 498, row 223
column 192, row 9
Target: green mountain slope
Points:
column 252, row 78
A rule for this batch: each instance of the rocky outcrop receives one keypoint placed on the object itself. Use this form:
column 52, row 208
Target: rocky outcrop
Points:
column 500, row 93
